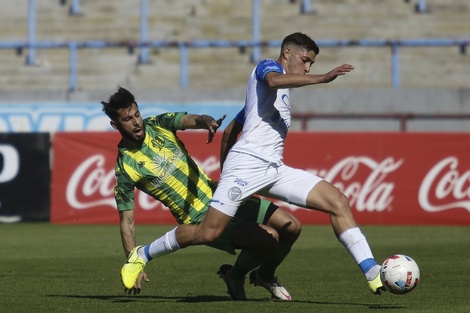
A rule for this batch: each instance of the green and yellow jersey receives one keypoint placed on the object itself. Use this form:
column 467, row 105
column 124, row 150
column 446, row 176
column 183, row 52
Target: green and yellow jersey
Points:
column 163, row 169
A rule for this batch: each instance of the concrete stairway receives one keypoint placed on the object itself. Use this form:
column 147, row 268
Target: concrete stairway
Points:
column 225, row 68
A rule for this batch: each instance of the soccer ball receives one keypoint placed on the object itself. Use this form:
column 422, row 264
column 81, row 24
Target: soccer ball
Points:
column 399, row 274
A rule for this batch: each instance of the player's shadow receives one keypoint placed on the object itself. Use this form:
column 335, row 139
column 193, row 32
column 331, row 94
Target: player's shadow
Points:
column 141, row 298
column 210, row 298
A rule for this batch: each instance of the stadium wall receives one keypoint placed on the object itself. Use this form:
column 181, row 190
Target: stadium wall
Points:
column 341, row 101
column 25, row 177
column 390, row 178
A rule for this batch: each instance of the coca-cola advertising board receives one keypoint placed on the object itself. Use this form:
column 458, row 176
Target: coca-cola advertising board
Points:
column 390, row 178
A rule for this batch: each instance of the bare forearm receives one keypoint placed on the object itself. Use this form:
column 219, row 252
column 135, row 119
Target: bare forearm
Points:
column 193, row 121
column 276, row 80
column 229, row 138
column 294, row 81
column 127, row 233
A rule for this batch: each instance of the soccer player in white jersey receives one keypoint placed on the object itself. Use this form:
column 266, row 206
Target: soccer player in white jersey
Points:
column 253, row 164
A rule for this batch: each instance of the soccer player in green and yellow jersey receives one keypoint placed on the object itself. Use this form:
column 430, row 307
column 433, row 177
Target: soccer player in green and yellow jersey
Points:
column 162, row 168
column 152, row 159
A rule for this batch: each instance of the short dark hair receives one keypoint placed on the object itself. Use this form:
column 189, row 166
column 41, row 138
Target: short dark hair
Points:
column 122, row 98
column 302, row 40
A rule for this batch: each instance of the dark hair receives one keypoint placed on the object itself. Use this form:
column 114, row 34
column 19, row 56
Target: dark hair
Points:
column 122, row 98
column 302, row 40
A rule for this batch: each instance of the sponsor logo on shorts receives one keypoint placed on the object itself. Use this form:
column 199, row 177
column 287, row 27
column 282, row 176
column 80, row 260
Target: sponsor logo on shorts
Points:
column 234, row 193
column 241, row 182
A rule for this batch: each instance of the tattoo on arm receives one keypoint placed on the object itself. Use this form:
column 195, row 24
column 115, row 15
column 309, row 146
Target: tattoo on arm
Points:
column 193, row 121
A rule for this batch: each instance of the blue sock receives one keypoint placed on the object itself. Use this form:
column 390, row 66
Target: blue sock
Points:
column 367, row 264
column 146, row 252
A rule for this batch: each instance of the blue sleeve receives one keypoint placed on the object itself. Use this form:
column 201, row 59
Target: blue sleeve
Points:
column 267, row 66
column 240, row 117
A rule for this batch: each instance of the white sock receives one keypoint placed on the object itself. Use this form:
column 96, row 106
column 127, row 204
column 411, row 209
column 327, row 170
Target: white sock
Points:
column 160, row 247
column 356, row 244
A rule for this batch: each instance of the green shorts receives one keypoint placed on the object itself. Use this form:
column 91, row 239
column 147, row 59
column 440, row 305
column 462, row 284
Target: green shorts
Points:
column 252, row 210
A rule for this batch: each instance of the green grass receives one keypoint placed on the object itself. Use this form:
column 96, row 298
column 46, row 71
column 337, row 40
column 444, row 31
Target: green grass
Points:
column 59, row 268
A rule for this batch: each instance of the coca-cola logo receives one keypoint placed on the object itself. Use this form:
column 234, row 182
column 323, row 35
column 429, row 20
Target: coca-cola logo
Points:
column 92, row 184
column 445, row 187
column 374, row 193
column 365, row 181
column 370, row 191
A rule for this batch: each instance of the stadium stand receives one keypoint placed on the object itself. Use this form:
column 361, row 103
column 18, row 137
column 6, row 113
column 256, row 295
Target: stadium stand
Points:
column 225, row 68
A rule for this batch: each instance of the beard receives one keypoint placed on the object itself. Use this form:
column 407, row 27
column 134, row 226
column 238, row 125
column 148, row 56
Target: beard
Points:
column 135, row 137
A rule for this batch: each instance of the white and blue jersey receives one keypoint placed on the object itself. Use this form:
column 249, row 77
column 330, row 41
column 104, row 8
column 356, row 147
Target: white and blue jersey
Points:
column 254, row 164
column 266, row 116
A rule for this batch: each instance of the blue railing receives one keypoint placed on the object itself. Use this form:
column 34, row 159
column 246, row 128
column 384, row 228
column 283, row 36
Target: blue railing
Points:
column 305, row 6
column 402, row 118
column 185, row 46
column 255, row 43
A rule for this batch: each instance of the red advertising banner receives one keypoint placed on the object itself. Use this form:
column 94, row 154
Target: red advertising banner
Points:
column 390, row 178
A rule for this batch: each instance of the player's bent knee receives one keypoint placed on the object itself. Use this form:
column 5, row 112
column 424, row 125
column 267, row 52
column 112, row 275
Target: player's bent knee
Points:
column 340, row 205
column 295, row 227
column 208, row 236
column 292, row 227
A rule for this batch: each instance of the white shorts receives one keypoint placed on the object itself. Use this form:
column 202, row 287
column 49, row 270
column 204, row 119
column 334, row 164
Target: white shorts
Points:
column 245, row 175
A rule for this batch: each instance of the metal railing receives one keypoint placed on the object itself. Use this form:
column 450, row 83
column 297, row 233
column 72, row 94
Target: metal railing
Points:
column 305, row 6
column 402, row 118
column 185, row 46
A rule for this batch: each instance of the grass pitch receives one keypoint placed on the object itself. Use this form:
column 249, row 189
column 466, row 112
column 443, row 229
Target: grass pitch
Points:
column 68, row 268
